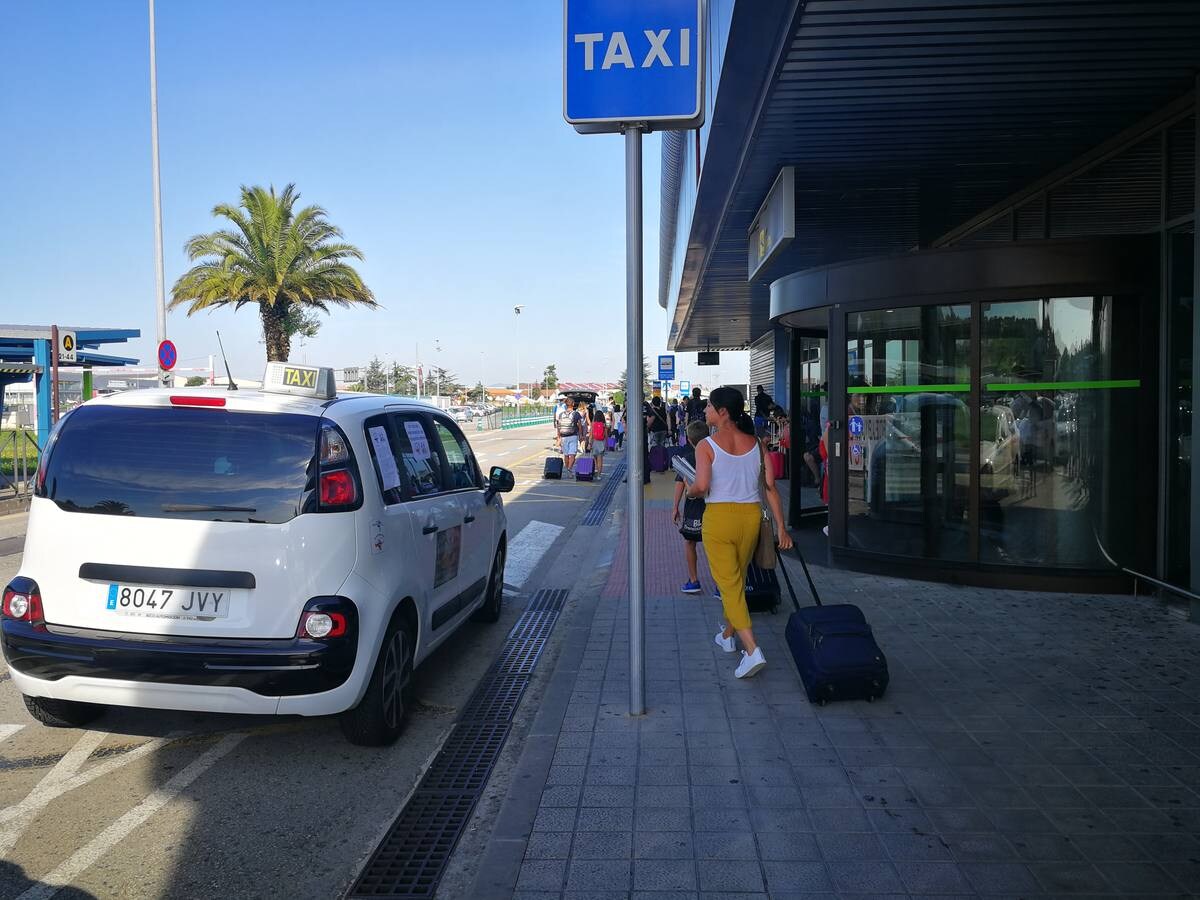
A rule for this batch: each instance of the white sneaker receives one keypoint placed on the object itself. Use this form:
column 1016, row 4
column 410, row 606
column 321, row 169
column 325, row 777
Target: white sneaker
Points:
column 750, row 664
column 725, row 643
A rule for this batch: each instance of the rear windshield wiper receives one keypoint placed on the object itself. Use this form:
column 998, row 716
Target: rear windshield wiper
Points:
column 204, row 507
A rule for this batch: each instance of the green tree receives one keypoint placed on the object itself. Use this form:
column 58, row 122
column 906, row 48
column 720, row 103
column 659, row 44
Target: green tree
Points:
column 374, row 377
column 624, row 388
column 300, row 321
column 449, row 385
column 479, row 393
column 550, row 377
column 275, row 257
column 404, row 379
column 196, row 381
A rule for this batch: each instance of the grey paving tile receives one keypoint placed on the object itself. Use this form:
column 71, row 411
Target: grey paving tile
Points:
column 561, row 795
column 1044, row 847
column 923, row 878
column 664, row 795
column 554, row 819
column 571, row 756
column 830, row 797
column 719, row 795
column 723, row 819
column 830, row 820
column 865, row 877
column 916, row 847
column 770, row 819
column 664, row 845
column 774, row 795
column 602, row 845
column 664, row 819
column 611, row 775
column 844, row 846
column 1069, row 878
column 599, row 875
column 542, row 875
column 548, row 845
column 566, row 775
column 715, row 774
column 900, row 819
column 733, row 875
column 670, row 774
column 805, row 877
column 734, row 845
column 664, row 875
column 607, row 795
column 1140, row 877
column 605, row 819
column 781, row 845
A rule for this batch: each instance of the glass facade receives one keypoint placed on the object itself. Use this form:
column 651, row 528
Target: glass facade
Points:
column 810, row 415
column 1181, row 261
column 908, row 427
column 1033, row 460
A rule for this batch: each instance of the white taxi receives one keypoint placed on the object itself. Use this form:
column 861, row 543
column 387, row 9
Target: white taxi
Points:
column 280, row 551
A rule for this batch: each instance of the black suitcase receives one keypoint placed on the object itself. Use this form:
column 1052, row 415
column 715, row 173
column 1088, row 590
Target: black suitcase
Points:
column 554, row 467
column 834, row 648
column 762, row 590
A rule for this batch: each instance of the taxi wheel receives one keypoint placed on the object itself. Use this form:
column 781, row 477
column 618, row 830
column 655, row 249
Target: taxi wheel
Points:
column 379, row 717
column 490, row 611
column 62, row 713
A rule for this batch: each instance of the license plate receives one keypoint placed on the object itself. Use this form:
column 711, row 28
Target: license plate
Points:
column 156, row 602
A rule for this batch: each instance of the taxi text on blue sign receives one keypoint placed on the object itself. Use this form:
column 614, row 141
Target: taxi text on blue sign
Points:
column 633, row 61
column 666, row 368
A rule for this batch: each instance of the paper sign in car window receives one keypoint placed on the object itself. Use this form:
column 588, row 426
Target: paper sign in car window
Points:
column 385, row 457
column 418, row 440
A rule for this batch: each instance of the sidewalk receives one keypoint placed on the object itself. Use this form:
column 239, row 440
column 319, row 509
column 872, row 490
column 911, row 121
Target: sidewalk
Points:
column 1029, row 745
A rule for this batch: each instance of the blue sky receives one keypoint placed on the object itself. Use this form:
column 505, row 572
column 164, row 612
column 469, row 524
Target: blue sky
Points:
column 431, row 132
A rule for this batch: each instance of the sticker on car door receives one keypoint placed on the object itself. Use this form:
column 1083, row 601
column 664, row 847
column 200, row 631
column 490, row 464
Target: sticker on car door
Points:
column 449, row 549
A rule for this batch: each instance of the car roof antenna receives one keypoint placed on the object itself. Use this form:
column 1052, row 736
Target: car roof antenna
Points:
column 232, row 384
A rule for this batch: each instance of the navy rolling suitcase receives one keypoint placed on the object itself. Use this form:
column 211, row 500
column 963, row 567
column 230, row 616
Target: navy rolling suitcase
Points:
column 762, row 590
column 554, row 467
column 834, row 649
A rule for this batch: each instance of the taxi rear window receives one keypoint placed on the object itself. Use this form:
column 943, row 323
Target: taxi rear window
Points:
column 199, row 464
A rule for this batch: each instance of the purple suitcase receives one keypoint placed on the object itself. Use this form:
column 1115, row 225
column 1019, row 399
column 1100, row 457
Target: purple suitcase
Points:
column 585, row 468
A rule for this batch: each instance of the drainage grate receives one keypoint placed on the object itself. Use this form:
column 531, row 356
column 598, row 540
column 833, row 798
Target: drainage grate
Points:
column 412, row 857
column 595, row 513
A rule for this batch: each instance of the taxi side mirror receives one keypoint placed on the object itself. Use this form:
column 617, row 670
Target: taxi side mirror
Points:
column 500, row 481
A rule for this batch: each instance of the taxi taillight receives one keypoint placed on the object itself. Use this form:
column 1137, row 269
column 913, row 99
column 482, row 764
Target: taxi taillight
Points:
column 23, row 602
column 180, row 400
column 337, row 486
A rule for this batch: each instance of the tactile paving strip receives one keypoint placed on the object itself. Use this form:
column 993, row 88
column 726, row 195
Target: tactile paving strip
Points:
column 595, row 513
column 410, row 860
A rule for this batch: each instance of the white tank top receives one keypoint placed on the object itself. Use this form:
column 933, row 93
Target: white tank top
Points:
column 734, row 478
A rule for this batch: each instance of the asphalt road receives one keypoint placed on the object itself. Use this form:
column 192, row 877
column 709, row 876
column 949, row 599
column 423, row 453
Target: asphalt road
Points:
column 158, row 804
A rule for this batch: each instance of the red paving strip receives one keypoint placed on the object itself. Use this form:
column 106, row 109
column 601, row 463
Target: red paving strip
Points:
column 666, row 569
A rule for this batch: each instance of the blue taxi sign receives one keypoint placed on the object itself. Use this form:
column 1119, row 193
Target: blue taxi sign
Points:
column 627, row 61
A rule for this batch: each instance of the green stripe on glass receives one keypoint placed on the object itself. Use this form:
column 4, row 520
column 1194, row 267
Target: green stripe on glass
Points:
column 1064, row 385
column 912, row 389
column 814, row 393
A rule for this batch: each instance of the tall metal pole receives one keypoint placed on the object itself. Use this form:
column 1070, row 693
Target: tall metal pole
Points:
column 159, row 284
column 635, row 425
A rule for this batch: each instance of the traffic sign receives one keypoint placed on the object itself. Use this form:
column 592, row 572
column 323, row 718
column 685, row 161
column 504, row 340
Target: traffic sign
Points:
column 633, row 61
column 68, row 347
column 666, row 367
column 685, row 387
column 167, row 355
column 856, row 425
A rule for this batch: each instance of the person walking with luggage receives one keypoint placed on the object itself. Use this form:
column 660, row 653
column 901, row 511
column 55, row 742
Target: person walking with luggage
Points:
column 690, row 518
column 619, row 425
column 569, row 429
column 599, row 440
column 730, row 467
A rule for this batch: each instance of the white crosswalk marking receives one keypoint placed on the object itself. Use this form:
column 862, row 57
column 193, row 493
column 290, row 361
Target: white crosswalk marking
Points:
column 95, row 849
column 7, row 731
column 527, row 550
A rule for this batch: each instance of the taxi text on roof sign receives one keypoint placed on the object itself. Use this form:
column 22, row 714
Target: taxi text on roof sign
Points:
column 631, row 61
column 305, row 381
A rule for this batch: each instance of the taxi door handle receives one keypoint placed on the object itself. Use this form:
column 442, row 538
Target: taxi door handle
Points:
column 429, row 529
column 468, row 519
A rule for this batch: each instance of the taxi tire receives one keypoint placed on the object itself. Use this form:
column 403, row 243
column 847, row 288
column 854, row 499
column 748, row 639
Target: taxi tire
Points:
column 379, row 717
column 62, row 713
column 490, row 611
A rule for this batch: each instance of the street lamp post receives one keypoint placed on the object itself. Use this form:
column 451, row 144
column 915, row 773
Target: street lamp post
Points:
column 517, row 340
column 437, row 347
column 160, row 289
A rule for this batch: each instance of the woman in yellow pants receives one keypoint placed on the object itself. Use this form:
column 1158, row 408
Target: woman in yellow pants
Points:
column 729, row 469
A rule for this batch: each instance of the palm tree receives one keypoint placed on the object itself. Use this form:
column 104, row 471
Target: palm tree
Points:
column 277, row 258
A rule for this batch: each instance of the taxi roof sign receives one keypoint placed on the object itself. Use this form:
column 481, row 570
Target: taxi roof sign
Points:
column 304, row 381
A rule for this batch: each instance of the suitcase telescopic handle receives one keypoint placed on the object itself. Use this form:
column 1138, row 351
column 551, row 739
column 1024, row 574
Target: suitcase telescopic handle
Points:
column 811, row 587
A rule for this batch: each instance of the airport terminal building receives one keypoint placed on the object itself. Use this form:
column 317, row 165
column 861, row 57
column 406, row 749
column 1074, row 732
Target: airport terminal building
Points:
column 959, row 238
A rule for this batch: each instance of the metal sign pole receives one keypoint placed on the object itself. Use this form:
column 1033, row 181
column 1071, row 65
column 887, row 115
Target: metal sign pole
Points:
column 635, row 424
column 159, row 283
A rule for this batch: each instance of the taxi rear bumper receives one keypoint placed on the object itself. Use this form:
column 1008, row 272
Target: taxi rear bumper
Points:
column 268, row 668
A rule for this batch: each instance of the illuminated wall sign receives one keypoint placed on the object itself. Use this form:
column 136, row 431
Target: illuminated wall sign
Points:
column 775, row 225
